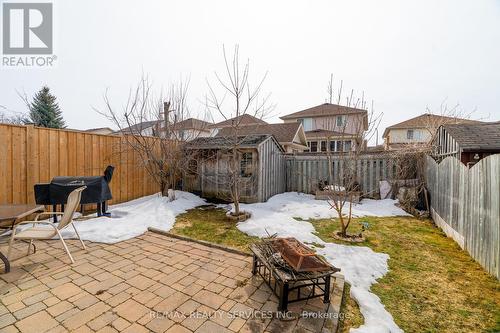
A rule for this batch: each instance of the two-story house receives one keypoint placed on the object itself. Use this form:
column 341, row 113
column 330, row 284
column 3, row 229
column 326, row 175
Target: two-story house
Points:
column 331, row 127
column 418, row 131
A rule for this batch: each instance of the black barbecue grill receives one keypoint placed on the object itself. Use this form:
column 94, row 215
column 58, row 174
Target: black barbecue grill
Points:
column 57, row 191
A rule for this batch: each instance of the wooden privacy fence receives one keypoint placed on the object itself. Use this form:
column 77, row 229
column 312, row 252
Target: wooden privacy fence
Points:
column 465, row 203
column 305, row 172
column 30, row 155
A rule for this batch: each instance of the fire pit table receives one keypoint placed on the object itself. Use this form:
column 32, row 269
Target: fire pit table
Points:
column 271, row 260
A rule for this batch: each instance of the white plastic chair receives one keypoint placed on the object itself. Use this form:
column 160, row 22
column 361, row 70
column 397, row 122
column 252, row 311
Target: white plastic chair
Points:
column 38, row 233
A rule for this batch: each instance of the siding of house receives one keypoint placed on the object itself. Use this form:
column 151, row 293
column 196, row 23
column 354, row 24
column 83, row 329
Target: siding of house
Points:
column 399, row 135
column 354, row 123
column 190, row 134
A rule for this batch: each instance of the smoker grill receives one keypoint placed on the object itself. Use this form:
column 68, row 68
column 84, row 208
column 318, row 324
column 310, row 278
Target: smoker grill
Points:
column 57, row 191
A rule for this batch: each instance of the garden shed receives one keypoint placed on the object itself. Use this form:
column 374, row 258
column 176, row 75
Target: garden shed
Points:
column 261, row 167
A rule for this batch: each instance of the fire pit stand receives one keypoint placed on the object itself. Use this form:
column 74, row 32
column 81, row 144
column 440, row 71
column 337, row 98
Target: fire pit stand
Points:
column 291, row 288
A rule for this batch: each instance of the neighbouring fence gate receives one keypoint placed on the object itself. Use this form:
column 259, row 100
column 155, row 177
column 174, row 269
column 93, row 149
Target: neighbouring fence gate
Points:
column 465, row 203
column 305, row 172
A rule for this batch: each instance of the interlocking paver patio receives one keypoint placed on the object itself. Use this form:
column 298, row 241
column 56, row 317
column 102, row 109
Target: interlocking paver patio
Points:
column 152, row 283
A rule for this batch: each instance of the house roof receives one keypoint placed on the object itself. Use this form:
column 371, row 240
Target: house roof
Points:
column 242, row 120
column 98, row 129
column 321, row 133
column 325, row 109
column 138, row 127
column 282, row 132
column 426, row 120
column 221, row 142
column 192, row 123
column 476, row 137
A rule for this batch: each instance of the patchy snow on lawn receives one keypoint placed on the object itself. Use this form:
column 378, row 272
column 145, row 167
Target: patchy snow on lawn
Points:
column 131, row 219
column 360, row 265
column 304, row 206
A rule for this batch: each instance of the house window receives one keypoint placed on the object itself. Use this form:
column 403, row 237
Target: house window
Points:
column 314, row 146
column 323, row 145
column 341, row 121
column 347, row 145
column 409, row 134
column 246, row 164
column 332, row 145
column 306, row 124
column 339, row 146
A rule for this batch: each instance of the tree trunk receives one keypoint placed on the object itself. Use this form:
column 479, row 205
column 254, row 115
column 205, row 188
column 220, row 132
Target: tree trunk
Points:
column 237, row 207
column 343, row 226
column 164, row 189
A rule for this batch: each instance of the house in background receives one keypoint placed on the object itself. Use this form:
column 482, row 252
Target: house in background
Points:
column 331, row 127
column 188, row 129
column 100, row 130
column 261, row 167
column 146, row 128
column 184, row 130
column 240, row 121
column 291, row 136
column 468, row 142
column 417, row 131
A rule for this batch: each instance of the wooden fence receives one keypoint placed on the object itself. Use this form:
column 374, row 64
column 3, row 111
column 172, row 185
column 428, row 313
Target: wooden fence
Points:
column 465, row 203
column 30, row 155
column 305, row 172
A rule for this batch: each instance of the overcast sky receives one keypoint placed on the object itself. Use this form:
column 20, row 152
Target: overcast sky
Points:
column 405, row 55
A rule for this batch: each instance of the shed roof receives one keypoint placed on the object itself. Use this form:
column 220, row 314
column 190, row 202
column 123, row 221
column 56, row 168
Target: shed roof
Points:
column 476, row 137
column 325, row 109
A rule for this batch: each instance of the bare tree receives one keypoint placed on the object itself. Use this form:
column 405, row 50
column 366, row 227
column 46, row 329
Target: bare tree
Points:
column 11, row 117
column 409, row 160
column 235, row 98
column 149, row 124
column 349, row 141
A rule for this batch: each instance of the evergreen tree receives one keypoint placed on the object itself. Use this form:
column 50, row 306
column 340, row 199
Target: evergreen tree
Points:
column 44, row 110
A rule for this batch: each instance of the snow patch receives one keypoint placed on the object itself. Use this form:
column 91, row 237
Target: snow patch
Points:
column 131, row 219
column 360, row 265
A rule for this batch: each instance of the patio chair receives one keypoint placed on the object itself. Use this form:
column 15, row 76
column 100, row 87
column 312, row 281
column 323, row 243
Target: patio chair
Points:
column 38, row 233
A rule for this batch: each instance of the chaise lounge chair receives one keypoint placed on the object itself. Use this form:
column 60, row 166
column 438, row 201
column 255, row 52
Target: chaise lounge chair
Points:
column 38, row 233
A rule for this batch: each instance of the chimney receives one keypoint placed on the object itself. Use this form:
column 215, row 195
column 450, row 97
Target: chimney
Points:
column 166, row 110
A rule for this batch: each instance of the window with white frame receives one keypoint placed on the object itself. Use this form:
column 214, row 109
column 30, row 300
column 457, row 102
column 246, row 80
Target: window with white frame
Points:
column 306, row 124
column 341, row 121
column 323, row 146
column 313, row 146
column 332, row 145
column 410, row 134
column 339, row 146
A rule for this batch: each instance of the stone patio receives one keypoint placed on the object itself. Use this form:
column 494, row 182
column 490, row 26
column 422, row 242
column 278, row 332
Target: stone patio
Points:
column 151, row 283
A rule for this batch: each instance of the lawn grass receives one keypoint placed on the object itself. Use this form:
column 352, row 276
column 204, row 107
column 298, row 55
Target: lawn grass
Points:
column 351, row 316
column 211, row 225
column 432, row 285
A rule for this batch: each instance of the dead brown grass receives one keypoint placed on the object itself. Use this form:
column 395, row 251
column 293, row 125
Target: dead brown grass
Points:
column 432, row 285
